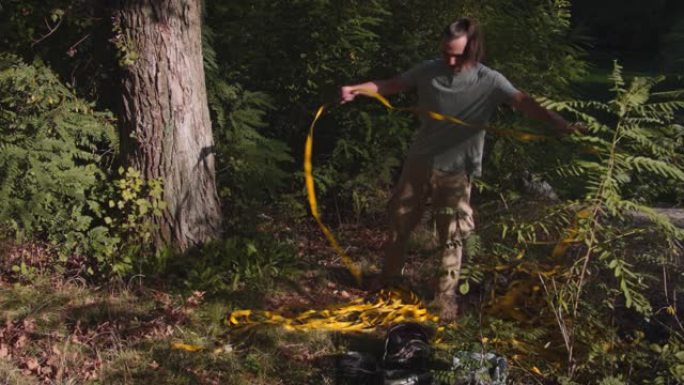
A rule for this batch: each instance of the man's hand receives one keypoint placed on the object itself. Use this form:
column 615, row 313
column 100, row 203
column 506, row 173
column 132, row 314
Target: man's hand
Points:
column 382, row 87
column 347, row 94
column 573, row 129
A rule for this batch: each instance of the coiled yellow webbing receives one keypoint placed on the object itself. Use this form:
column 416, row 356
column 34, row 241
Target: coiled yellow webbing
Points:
column 391, row 307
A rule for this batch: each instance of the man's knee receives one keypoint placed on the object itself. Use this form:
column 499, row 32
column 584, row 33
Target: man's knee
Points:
column 452, row 244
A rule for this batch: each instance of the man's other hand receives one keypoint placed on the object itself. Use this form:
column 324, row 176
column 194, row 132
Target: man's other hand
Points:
column 347, row 94
column 574, row 129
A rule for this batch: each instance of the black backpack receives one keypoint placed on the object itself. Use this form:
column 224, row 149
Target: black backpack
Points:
column 407, row 353
column 405, row 361
column 358, row 368
column 407, row 347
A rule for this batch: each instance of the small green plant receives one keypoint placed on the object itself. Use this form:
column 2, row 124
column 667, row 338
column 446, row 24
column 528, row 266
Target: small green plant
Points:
column 132, row 206
column 126, row 48
column 234, row 263
column 671, row 360
column 26, row 271
column 633, row 142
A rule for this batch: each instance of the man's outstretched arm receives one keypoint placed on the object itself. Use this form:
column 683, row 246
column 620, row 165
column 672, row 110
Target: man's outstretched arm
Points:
column 383, row 87
column 531, row 109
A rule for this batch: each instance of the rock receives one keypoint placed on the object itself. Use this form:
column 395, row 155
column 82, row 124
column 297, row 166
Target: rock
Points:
column 676, row 216
column 479, row 369
column 537, row 188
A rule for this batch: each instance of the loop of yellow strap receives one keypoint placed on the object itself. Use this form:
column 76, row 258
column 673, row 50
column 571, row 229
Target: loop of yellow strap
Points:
column 313, row 204
column 391, row 307
column 572, row 235
column 185, row 347
column 519, row 135
column 308, row 169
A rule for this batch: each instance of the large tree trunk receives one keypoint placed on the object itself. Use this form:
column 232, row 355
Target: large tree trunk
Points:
column 165, row 126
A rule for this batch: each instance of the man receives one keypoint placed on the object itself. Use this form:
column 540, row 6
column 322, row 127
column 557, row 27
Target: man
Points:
column 444, row 157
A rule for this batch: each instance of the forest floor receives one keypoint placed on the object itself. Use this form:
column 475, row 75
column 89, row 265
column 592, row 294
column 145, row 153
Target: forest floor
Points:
column 57, row 328
column 61, row 329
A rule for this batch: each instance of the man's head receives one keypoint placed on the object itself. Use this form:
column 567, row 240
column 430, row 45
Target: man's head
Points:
column 462, row 43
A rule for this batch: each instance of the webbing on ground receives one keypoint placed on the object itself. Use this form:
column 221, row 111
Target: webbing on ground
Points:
column 360, row 315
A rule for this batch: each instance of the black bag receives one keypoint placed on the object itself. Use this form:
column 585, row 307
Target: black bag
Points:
column 357, row 368
column 407, row 377
column 479, row 368
column 407, row 347
column 407, row 353
column 405, row 361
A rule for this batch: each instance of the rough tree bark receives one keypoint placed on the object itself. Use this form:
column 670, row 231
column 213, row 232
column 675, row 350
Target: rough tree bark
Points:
column 165, row 125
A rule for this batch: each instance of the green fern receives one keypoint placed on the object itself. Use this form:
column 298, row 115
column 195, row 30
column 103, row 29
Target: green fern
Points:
column 632, row 156
column 51, row 150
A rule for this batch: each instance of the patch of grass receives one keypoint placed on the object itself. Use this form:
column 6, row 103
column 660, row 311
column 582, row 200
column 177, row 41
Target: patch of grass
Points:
column 154, row 362
column 64, row 332
column 68, row 333
column 34, row 300
column 10, row 374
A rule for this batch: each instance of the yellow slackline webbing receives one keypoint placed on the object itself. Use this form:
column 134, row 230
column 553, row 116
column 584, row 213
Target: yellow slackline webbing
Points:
column 520, row 135
column 359, row 315
column 313, row 204
column 308, row 170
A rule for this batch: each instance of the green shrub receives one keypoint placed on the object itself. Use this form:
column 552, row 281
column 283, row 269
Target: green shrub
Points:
column 132, row 204
column 52, row 146
column 54, row 182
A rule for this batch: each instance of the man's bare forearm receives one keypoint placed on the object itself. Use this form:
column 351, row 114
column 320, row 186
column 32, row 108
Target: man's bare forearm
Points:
column 383, row 87
column 531, row 109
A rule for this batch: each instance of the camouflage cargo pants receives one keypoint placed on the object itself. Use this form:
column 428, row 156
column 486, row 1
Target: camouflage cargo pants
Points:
column 450, row 193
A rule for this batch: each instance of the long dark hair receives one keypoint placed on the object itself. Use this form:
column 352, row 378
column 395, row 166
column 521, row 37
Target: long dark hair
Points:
column 474, row 50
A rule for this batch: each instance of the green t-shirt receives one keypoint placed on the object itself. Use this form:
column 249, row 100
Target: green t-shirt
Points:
column 471, row 95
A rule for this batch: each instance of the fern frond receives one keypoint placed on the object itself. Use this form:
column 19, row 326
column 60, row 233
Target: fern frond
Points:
column 617, row 79
column 655, row 166
column 661, row 221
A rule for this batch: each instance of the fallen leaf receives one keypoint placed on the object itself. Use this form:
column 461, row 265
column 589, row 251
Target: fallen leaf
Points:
column 53, row 360
column 32, row 364
column 21, row 341
column 29, row 324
